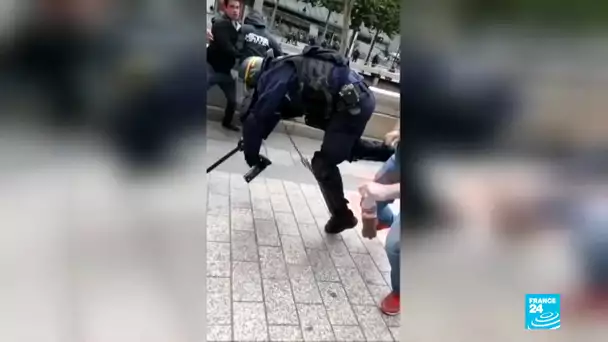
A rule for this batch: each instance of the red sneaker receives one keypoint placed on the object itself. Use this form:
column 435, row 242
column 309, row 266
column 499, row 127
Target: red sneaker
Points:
column 382, row 226
column 391, row 304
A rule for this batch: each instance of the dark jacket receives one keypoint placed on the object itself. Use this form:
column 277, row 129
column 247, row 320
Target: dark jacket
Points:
column 222, row 51
column 255, row 38
column 272, row 88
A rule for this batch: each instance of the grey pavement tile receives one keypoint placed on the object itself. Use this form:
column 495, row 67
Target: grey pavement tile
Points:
column 286, row 224
column 280, row 307
column 240, row 200
column 285, row 333
column 293, row 250
column 387, row 278
column 272, row 263
column 219, row 333
column 241, row 219
column 304, row 284
column 246, row 282
column 218, row 301
column 275, row 186
column 315, row 325
column 262, row 209
column 218, row 228
column 250, row 322
column 244, row 247
column 218, row 184
column 259, row 190
column 339, row 253
column 267, row 233
column 372, row 324
column 353, row 241
column 336, row 303
column 322, row 266
column 392, row 321
column 349, row 333
column 280, row 157
column 218, row 259
column 311, row 236
column 379, row 292
column 280, row 203
column 378, row 254
column 218, row 205
column 237, row 181
column 355, row 287
column 367, row 268
column 302, row 213
column 395, row 332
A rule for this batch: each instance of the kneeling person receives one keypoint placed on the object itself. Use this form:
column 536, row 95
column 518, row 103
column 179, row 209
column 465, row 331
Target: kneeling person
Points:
column 320, row 86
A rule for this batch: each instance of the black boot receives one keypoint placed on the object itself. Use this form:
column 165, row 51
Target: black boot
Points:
column 339, row 223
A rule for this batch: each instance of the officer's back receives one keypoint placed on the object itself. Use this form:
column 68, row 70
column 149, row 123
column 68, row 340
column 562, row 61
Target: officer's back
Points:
column 255, row 38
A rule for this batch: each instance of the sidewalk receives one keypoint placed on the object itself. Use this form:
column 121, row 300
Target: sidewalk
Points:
column 272, row 273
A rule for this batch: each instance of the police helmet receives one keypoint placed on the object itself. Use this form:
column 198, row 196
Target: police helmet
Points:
column 250, row 69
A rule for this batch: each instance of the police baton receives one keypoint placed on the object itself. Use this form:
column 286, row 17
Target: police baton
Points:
column 253, row 172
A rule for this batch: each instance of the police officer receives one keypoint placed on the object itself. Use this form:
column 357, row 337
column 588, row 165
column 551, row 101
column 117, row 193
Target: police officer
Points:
column 319, row 85
column 254, row 38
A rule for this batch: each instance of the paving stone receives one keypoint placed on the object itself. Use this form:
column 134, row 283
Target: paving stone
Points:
column 258, row 190
column 267, row 233
column 293, row 250
column 218, row 259
column 395, row 332
column 303, row 284
column 218, row 228
column 387, row 278
column 218, row 301
column 240, row 199
column 218, row 184
column 280, row 203
column 241, row 219
column 353, row 242
column 378, row 292
column 323, row 266
column 339, row 253
column 367, row 268
column 338, row 308
column 311, row 236
column 250, row 322
column 219, row 333
column 315, row 325
column 272, row 263
column 355, row 288
column 285, row 333
column 218, row 205
column 372, row 324
column 244, row 247
column 275, row 186
column 280, row 307
column 392, row 321
column 349, row 333
column 262, row 209
column 246, row 282
column 378, row 254
column 286, row 224
column 237, row 182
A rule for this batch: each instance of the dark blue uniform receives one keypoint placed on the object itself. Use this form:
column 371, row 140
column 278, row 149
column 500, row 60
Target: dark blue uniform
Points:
column 343, row 130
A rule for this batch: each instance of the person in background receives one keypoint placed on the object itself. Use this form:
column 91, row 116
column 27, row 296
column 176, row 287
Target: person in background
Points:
column 222, row 56
column 254, row 38
column 356, row 55
column 385, row 188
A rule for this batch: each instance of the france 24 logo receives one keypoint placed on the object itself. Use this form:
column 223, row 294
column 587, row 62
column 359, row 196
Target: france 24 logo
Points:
column 543, row 312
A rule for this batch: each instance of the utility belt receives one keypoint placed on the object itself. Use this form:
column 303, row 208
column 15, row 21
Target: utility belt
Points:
column 349, row 98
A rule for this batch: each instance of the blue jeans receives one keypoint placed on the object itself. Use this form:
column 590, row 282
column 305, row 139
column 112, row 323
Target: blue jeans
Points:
column 384, row 213
column 393, row 252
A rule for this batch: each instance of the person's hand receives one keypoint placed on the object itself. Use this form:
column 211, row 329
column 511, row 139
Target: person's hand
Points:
column 209, row 36
column 391, row 138
column 376, row 191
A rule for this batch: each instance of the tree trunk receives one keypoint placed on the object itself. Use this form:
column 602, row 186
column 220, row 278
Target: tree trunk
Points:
column 371, row 48
column 274, row 14
column 348, row 6
column 326, row 24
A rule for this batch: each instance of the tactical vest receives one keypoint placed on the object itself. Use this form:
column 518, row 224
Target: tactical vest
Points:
column 312, row 97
